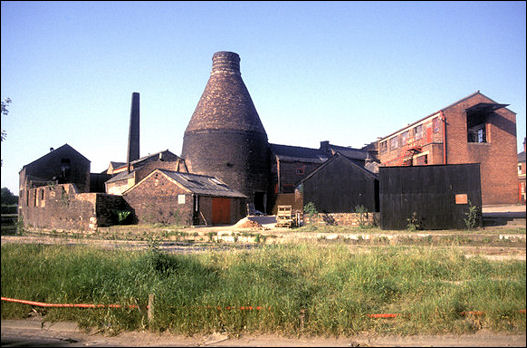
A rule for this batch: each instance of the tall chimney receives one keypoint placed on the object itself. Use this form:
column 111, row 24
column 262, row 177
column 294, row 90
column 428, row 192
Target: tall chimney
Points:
column 133, row 135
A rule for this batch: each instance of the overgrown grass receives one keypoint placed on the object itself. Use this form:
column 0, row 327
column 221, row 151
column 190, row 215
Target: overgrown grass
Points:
column 327, row 290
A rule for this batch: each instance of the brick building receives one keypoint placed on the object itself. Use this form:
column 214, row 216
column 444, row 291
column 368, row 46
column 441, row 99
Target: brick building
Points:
column 56, row 193
column 126, row 175
column 475, row 129
column 521, row 175
column 182, row 198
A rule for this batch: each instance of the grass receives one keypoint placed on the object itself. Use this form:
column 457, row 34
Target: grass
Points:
column 326, row 290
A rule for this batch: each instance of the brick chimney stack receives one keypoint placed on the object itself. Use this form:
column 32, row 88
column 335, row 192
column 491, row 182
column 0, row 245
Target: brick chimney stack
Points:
column 133, row 135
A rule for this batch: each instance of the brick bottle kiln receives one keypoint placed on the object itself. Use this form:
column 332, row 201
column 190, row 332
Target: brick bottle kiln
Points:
column 225, row 136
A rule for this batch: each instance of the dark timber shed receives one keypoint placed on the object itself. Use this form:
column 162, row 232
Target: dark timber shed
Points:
column 439, row 195
column 341, row 184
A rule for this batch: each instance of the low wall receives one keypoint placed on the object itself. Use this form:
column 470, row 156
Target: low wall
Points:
column 62, row 207
column 344, row 219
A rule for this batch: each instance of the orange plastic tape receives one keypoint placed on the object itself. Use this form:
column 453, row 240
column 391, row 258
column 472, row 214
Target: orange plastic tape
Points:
column 66, row 305
column 389, row 315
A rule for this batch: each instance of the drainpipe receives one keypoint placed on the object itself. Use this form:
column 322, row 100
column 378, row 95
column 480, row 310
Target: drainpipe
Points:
column 443, row 118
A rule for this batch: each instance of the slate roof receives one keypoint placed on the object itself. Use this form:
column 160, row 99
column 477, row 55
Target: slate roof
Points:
column 200, row 184
column 121, row 176
column 297, row 153
column 349, row 152
column 521, row 156
column 355, row 162
column 63, row 148
column 203, row 184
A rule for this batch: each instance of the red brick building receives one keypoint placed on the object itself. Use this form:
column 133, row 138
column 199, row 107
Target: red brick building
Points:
column 475, row 129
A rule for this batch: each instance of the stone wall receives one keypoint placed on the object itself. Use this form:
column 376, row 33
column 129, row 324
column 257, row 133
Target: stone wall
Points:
column 342, row 219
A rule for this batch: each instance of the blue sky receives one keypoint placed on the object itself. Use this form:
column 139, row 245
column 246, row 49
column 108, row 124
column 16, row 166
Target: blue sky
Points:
column 347, row 72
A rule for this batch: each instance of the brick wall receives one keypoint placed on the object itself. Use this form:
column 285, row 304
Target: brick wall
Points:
column 62, row 207
column 292, row 172
column 497, row 157
column 156, row 201
column 57, row 207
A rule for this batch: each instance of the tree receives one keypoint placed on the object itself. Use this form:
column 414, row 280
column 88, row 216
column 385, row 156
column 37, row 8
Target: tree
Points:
column 7, row 197
column 5, row 103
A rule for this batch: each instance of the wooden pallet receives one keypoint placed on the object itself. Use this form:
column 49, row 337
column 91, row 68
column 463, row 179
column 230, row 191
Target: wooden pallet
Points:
column 284, row 216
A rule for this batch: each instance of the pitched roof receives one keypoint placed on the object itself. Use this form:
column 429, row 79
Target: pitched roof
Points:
column 521, row 156
column 350, row 152
column 199, row 184
column 122, row 165
column 297, row 153
column 337, row 155
column 121, row 176
column 64, row 147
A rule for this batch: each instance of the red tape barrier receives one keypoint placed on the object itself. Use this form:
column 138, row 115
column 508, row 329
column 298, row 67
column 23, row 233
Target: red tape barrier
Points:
column 250, row 308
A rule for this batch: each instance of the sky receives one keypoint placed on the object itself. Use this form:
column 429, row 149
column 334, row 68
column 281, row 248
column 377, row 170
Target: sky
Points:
column 346, row 72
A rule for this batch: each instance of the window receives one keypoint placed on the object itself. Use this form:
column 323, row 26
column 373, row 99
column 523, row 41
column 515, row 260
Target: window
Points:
column 418, row 132
column 477, row 126
column 180, row 199
column 519, row 169
column 394, row 143
column 384, row 146
column 477, row 134
column 404, row 138
column 42, row 194
column 436, row 124
column 300, row 171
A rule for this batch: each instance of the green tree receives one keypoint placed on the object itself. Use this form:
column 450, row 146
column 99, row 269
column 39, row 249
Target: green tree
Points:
column 7, row 197
column 5, row 111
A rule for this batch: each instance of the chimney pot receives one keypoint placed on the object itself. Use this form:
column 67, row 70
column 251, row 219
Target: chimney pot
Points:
column 226, row 62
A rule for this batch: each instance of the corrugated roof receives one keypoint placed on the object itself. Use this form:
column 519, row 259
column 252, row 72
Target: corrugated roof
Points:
column 202, row 184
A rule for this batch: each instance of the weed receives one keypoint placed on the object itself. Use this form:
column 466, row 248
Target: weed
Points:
column 310, row 209
column 414, row 223
column 473, row 219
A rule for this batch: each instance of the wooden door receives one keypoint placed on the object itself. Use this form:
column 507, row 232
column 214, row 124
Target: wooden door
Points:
column 221, row 211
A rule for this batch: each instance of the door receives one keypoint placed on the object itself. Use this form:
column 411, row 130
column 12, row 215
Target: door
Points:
column 221, row 210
